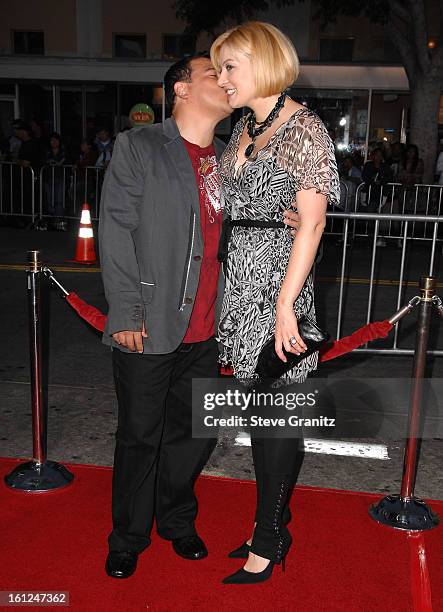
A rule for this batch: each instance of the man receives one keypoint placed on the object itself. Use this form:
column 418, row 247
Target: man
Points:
column 159, row 226
column 30, row 153
column 105, row 146
column 160, row 222
column 14, row 140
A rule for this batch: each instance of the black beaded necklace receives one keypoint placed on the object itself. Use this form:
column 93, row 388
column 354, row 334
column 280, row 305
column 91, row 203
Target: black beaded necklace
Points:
column 254, row 132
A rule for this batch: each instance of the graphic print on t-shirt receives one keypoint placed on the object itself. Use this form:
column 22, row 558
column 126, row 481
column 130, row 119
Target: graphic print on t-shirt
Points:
column 210, row 185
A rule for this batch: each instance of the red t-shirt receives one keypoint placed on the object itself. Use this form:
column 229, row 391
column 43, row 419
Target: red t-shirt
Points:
column 202, row 322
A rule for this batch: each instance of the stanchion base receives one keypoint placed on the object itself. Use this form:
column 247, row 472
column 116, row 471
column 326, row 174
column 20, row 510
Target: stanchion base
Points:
column 33, row 477
column 411, row 514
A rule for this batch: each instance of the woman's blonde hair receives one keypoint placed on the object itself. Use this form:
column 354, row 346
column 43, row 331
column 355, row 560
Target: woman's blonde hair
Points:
column 273, row 56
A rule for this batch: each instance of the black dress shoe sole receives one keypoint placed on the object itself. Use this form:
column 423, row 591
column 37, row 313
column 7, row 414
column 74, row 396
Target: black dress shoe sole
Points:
column 191, row 548
column 119, row 575
column 111, row 575
column 201, row 555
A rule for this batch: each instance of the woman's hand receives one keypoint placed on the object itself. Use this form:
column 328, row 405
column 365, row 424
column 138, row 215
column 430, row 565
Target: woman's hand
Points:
column 292, row 218
column 286, row 332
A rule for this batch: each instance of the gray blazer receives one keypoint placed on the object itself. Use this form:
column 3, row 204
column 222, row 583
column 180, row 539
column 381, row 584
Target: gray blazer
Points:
column 151, row 245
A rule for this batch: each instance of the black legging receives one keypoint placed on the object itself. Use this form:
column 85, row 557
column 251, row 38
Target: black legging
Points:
column 277, row 462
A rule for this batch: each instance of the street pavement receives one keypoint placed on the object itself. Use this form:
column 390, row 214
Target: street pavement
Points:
column 82, row 406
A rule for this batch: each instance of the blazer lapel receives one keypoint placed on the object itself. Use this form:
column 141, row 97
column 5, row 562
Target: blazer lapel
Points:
column 179, row 156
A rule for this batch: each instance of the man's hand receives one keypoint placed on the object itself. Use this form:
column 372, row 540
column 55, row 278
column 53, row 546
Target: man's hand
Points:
column 132, row 340
column 292, row 218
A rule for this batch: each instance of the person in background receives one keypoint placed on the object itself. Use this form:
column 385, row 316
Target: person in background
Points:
column 4, row 146
column 25, row 174
column 411, row 169
column 38, row 135
column 54, row 183
column 85, row 174
column 396, row 158
column 350, row 175
column 385, row 146
column 409, row 174
column 376, row 174
column 30, row 154
column 105, row 147
column 14, row 141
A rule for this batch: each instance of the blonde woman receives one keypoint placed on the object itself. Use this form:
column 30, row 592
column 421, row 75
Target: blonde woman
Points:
column 279, row 155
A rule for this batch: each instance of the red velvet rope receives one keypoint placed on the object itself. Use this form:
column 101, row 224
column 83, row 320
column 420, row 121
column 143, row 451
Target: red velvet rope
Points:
column 367, row 333
column 90, row 314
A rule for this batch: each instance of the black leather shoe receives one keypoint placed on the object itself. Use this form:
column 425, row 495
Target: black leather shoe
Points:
column 190, row 547
column 121, row 563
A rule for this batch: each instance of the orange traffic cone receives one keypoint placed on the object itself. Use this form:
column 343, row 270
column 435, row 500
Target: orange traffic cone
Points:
column 84, row 251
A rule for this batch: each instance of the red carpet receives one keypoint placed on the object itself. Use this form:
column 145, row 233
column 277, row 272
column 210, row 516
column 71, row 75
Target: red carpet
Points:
column 341, row 559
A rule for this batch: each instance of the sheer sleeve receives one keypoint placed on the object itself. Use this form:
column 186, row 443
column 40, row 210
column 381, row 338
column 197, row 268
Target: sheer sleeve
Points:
column 307, row 152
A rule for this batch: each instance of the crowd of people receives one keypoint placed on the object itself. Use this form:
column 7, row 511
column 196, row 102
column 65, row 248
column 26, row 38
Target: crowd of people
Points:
column 29, row 146
column 386, row 163
column 387, row 182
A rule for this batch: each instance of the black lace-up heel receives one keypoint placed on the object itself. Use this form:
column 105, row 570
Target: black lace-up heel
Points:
column 242, row 552
column 271, row 539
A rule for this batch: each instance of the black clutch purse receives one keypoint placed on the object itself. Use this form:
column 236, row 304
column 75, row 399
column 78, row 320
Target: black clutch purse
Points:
column 270, row 366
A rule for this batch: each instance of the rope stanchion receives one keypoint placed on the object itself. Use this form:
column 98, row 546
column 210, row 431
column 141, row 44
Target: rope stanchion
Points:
column 405, row 511
column 39, row 474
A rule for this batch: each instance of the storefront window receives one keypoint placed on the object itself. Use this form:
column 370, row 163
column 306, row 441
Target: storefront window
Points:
column 36, row 104
column 345, row 114
column 389, row 117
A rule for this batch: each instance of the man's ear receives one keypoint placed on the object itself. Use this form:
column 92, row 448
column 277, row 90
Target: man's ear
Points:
column 181, row 90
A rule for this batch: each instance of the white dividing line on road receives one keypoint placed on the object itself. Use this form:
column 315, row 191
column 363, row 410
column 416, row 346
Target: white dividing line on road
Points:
column 334, row 447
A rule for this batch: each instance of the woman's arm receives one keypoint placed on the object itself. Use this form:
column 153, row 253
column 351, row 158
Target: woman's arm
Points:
column 312, row 211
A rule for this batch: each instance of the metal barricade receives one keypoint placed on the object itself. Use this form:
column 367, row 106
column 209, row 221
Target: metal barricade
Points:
column 64, row 190
column 389, row 199
column 17, row 190
column 406, row 250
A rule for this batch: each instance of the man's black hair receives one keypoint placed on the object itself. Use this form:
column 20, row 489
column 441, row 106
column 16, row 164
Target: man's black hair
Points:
column 179, row 72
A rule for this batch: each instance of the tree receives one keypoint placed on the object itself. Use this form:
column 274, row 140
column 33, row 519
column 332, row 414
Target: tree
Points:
column 406, row 23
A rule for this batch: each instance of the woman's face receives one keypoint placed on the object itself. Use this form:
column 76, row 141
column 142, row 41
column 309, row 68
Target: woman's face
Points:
column 54, row 143
column 84, row 147
column 236, row 77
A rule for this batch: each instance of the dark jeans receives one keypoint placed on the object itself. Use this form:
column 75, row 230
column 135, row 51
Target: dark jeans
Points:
column 156, row 458
column 54, row 192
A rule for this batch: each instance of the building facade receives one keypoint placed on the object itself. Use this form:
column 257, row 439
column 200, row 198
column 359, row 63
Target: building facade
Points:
column 78, row 65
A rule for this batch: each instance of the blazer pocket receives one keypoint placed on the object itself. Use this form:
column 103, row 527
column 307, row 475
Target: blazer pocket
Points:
column 147, row 291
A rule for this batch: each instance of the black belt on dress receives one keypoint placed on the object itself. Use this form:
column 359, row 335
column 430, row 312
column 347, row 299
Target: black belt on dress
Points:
column 226, row 232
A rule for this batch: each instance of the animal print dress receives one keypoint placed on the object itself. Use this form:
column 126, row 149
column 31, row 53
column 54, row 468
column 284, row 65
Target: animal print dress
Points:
column 299, row 155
